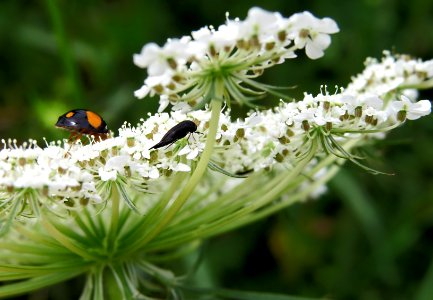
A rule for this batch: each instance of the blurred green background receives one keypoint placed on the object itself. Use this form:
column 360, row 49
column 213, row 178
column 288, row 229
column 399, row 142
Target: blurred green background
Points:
column 369, row 237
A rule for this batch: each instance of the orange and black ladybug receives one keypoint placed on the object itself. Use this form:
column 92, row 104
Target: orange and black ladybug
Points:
column 83, row 121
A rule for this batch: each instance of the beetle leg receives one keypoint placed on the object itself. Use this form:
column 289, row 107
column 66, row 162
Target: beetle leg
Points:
column 170, row 144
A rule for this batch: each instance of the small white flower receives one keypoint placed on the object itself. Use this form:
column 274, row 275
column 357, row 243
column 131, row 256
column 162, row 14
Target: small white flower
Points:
column 371, row 101
column 413, row 110
column 193, row 154
column 148, row 55
column 157, row 60
column 153, row 173
column 260, row 23
column 312, row 33
column 118, row 163
column 107, row 175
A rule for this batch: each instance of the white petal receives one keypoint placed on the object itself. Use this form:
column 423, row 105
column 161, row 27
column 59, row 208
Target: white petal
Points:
column 105, row 176
column 312, row 51
column 147, row 55
column 142, row 92
column 154, row 173
column 163, row 103
column 374, row 101
column 328, row 26
column 184, row 150
column 322, row 41
column 182, row 167
column 419, row 109
column 193, row 154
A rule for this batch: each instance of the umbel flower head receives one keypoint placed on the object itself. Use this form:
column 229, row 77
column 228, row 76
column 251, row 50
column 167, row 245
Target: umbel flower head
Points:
column 112, row 209
column 187, row 71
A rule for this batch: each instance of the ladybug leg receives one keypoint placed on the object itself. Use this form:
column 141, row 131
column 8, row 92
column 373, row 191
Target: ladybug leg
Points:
column 78, row 137
column 73, row 138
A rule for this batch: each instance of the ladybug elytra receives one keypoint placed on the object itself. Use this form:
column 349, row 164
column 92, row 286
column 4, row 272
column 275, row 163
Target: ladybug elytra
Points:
column 83, row 121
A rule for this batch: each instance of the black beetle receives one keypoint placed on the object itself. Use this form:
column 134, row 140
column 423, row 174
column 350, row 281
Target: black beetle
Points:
column 176, row 133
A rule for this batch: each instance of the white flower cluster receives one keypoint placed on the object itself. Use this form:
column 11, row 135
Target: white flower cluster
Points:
column 279, row 135
column 262, row 140
column 185, row 69
column 392, row 73
column 46, row 170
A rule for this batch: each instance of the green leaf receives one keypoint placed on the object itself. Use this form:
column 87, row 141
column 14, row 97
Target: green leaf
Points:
column 352, row 193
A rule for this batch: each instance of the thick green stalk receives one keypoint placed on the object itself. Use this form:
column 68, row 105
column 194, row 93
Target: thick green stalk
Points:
column 223, row 225
column 132, row 238
column 260, row 198
column 64, row 240
column 115, row 203
column 330, row 160
column 192, row 182
column 221, row 207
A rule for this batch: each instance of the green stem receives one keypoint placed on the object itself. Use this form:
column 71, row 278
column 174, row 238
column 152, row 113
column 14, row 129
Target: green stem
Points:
column 221, row 225
column 64, row 240
column 34, row 236
column 131, row 240
column 219, row 208
column 194, row 179
column 224, row 225
column 427, row 84
column 115, row 203
column 296, row 197
column 331, row 159
column 259, row 199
